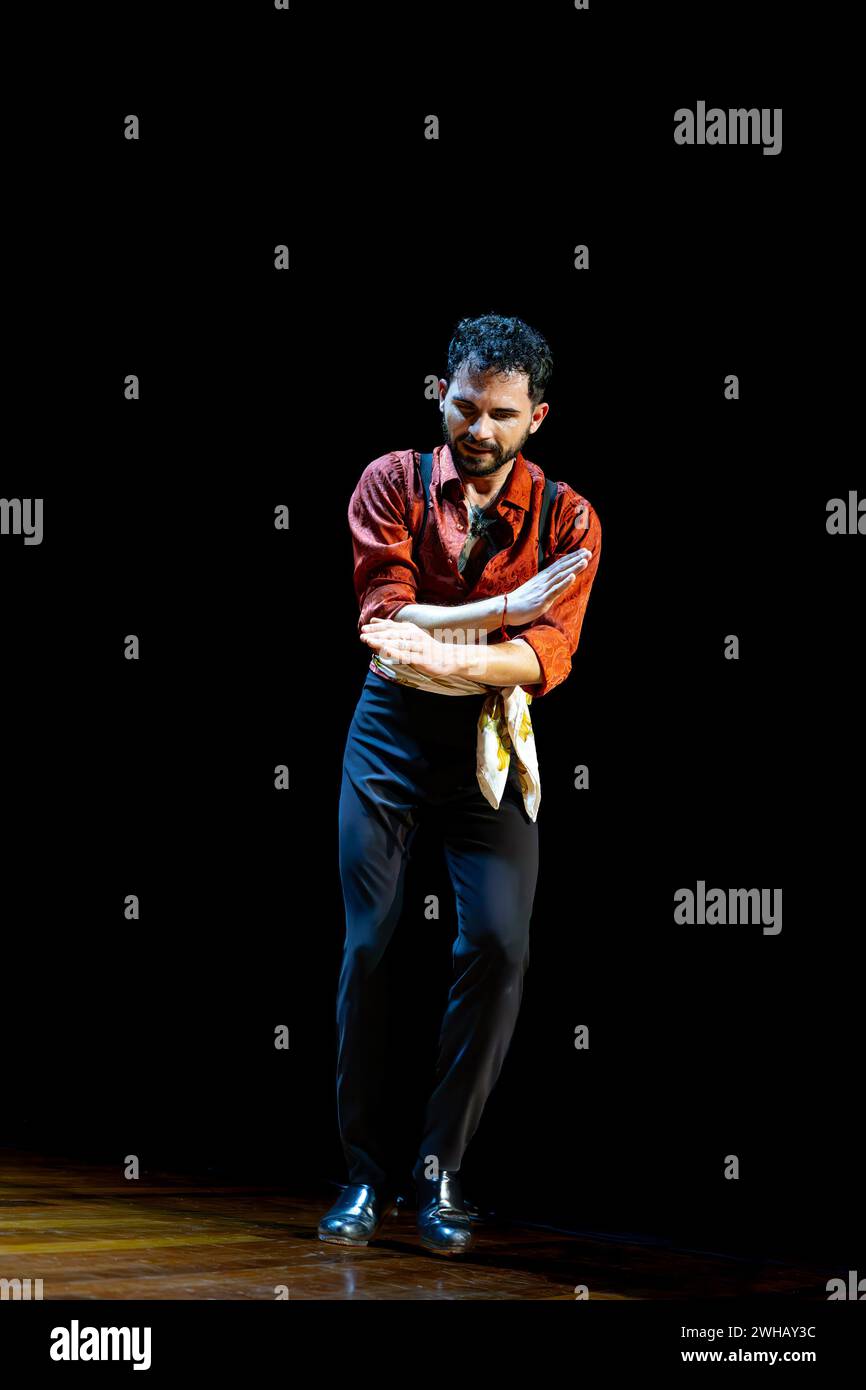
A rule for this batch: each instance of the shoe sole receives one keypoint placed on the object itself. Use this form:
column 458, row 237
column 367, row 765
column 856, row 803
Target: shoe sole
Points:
column 445, row 1250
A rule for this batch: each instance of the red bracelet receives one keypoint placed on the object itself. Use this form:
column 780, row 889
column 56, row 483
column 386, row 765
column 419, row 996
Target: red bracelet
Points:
column 504, row 611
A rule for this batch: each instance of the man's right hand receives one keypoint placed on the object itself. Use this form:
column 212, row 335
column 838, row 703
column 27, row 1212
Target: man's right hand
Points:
column 530, row 600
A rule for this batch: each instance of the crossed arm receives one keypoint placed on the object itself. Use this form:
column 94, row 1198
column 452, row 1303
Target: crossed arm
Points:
column 502, row 663
column 484, row 613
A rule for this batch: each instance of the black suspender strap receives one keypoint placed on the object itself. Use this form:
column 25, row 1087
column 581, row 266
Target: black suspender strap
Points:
column 426, row 475
column 550, row 487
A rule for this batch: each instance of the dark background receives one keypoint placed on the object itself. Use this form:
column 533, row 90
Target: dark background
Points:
column 262, row 388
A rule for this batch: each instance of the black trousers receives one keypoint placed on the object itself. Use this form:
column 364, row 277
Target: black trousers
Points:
column 410, row 758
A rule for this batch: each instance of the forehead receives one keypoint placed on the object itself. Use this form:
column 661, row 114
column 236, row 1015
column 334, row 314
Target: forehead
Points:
column 509, row 390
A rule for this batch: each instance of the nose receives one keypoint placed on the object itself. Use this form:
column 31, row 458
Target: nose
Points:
column 477, row 434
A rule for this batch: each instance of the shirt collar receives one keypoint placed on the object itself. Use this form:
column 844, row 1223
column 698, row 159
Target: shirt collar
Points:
column 517, row 490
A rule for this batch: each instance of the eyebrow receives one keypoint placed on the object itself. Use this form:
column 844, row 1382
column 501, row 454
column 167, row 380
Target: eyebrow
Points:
column 509, row 410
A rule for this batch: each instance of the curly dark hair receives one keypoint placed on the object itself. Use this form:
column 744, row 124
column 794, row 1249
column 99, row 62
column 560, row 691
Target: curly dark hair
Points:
column 497, row 344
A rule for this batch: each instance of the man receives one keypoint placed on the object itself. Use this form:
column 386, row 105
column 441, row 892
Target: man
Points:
column 458, row 625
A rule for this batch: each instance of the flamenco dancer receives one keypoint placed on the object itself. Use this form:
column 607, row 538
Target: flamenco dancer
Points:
column 473, row 573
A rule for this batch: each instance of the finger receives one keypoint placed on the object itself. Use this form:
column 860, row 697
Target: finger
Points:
column 383, row 642
column 567, row 580
column 390, row 625
column 558, row 588
column 398, row 655
column 564, row 564
column 560, row 581
column 384, row 629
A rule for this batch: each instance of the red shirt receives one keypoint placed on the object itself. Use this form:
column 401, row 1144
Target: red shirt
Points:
column 386, row 510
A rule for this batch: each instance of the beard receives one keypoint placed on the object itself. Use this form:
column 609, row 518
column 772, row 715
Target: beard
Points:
column 479, row 465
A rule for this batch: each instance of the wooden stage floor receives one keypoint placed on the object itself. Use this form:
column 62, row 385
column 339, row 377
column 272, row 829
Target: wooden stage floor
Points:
column 89, row 1234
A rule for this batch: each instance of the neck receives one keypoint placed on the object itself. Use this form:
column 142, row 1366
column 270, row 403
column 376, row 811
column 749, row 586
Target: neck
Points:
column 483, row 491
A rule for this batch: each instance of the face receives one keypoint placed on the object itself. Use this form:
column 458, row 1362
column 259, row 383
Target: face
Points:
column 493, row 412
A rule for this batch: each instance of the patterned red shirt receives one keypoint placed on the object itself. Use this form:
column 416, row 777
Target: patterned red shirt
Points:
column 386, row 510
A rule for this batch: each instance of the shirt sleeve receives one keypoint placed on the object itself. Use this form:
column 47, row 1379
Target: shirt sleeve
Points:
column 555, row 635
column 385, row 575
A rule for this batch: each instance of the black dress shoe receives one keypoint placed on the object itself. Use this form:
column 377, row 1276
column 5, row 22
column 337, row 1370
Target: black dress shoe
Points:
column 357, row 1215
column 443, row 1221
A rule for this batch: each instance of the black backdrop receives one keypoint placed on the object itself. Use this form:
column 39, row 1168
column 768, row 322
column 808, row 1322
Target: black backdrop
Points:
column 261, row 388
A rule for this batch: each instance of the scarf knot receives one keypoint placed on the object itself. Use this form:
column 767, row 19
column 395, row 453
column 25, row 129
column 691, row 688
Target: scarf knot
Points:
column 480, row 524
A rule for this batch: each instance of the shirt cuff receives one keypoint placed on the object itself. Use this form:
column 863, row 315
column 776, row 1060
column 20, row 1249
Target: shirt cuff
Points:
column 384, row 602
column 553, row 655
